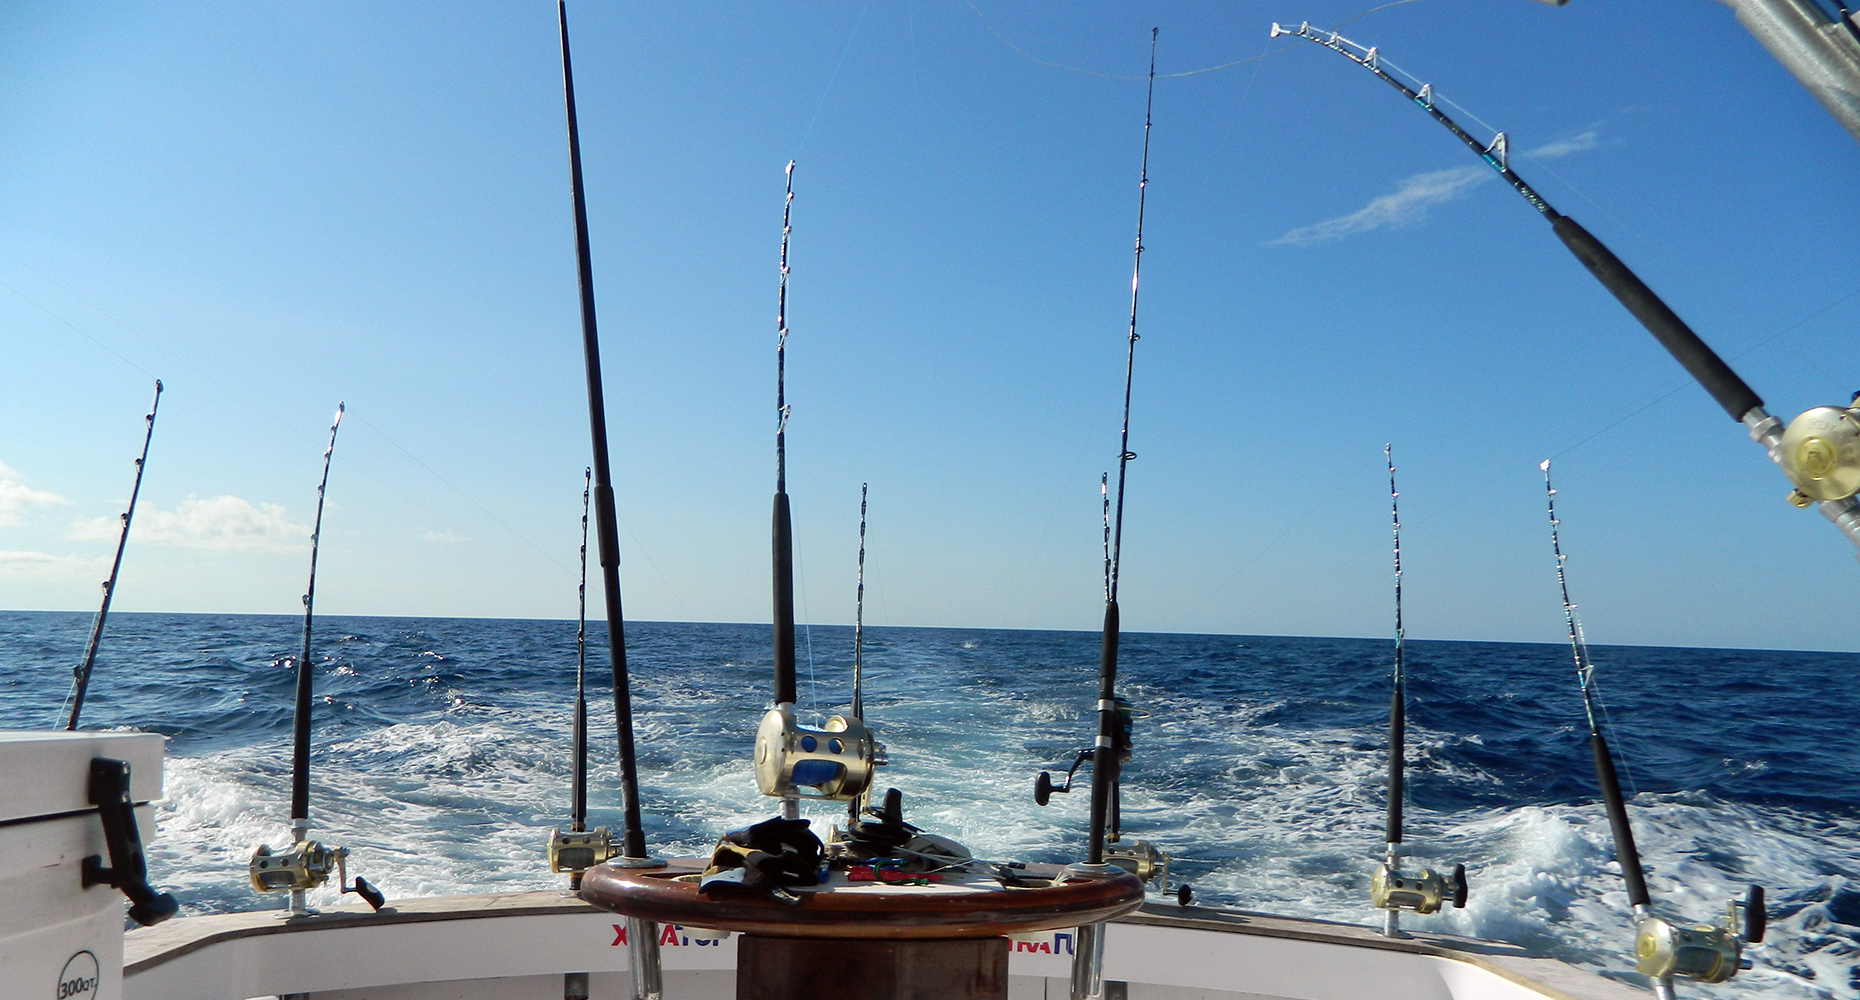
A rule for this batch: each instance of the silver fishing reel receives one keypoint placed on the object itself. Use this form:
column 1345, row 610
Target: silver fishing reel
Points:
column 1423, row 891
column 1142, row 859
column 1704, row 953
column 1820, row 453
column 305, row 866
column 833, row 762
column 579, row 850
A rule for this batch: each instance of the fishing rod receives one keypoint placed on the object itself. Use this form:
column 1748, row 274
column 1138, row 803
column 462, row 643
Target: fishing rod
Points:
column 1818, row 452
column 857, row 804
column 643, row 963
column 835, row 760
column 579, row 818
column 580, row 848
column 858, row 696
column 782, row 533
column 1390, row 889
column 81, row 675
column 1706, row 953
column 1112, row 746
column 308, row 863
column 1113, row 718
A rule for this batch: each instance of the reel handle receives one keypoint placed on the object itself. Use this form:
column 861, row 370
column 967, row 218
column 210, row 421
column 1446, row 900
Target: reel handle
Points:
column 370, row 895
column 1756, row 915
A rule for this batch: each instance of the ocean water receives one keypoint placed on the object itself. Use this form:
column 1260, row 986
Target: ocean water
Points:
column 442, row 759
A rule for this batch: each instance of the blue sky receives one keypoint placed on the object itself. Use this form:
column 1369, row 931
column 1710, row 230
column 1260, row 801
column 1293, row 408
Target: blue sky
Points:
column 273, row 208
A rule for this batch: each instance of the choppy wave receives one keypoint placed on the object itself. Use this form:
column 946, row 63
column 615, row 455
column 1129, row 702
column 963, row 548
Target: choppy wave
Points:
column 442, row 760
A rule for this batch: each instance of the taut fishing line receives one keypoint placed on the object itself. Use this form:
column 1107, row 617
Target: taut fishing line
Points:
column 830, row 80
column 1036, row 60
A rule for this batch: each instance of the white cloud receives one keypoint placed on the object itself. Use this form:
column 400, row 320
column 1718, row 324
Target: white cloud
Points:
column 1564, row 147
column 447, row 536
column 223, row 523
column 1408, row 204
column 16, row 497
column 43, row 566
column 1412, row 196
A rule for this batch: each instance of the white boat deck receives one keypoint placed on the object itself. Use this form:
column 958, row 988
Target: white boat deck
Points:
column 516, row 947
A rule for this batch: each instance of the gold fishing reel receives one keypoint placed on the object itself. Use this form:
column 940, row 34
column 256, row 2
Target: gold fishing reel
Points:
column 307, row 865
column 579, row 850
column 1704, row 953
column 1423, row 891
column 1820, row 453
column 834, row 762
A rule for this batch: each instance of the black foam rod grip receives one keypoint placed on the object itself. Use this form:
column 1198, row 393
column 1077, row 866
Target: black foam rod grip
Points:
column 782, row 539
column 1702, row 362
column 1398, row 742
column 1625, row 852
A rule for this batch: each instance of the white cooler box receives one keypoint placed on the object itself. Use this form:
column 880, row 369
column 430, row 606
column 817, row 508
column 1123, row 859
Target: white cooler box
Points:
column 58, row 939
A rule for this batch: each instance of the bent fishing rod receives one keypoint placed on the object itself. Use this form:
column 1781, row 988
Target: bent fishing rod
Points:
column 1818, row 452
column 307, row 863
column 643, row 963
column 1664, row 951
column 80, row 677
column 1391, row 889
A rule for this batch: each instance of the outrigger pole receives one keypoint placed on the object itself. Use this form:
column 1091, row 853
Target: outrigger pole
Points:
column 81, row 676
column 642, row 935
column 1088, row 960
column 1704, row 953
column 1819, row 451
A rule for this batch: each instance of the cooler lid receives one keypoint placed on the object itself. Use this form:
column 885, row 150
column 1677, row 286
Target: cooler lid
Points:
column 47, row 773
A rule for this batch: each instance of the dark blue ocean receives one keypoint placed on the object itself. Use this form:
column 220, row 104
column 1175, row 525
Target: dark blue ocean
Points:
column 442, row 759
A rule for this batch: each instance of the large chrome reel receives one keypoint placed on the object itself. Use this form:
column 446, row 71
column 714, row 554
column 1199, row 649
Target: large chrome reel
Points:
column 834, row 761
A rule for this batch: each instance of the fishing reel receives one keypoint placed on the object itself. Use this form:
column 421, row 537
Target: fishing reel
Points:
column 1820, row 453
column 1703, row 953
column 1043, row 787
column 1424, row 891
column 579, row 850
column 834, row 762
column 304, row 867
column 1142, row 859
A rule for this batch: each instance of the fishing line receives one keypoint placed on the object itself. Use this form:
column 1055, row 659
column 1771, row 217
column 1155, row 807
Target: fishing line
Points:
column 280, row 421
column 830, row 80
column 807, row 632
column 74, row 326
column 641, row 548
column 1030, row 57
column 1779, row 334
column 1209, row 595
